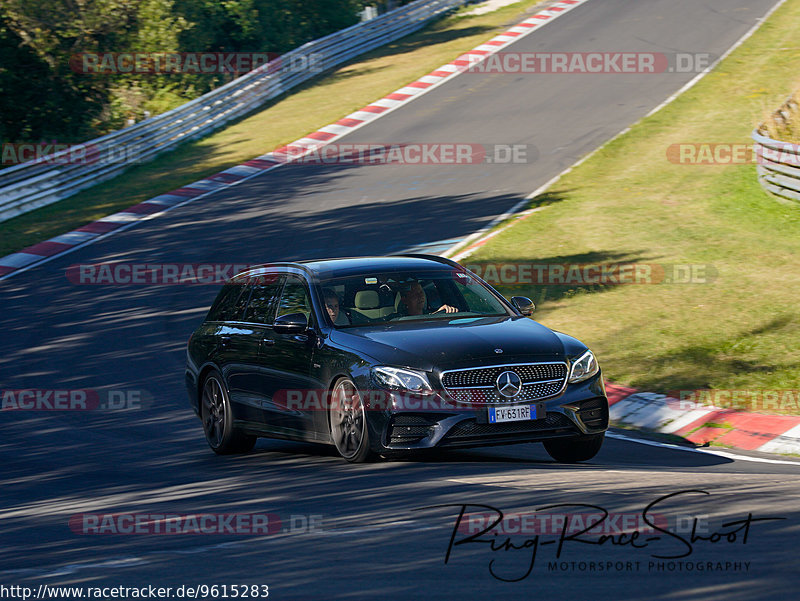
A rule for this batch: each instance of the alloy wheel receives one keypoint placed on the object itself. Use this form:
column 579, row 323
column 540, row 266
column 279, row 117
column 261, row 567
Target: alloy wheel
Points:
column 213, row 412
column 347, row 420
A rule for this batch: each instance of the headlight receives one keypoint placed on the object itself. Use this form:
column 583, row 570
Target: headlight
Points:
column 403, row 380
column 584, row 368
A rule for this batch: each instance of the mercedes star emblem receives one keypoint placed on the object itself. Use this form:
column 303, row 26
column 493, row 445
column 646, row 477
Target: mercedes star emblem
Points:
column 508, row 384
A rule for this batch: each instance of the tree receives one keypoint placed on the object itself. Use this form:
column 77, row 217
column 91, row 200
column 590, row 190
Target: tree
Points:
column 44, row 94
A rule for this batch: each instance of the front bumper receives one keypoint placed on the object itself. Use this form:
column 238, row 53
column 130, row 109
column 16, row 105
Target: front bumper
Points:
column 581, row 409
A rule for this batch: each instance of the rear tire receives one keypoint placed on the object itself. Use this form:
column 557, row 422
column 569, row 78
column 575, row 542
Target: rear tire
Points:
column 347, row 422
column 217, row 417
column 573, row 450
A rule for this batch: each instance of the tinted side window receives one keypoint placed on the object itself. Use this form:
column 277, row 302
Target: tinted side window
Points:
column 478, row 299
column 295, row 298
column 227, row 302
column 263, row 300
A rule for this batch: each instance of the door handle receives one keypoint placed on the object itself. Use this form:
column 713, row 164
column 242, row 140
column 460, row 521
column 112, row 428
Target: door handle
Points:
column 269, row 342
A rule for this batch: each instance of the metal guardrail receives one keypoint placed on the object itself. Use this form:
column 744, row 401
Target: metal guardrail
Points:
column 778, row 163
column 47, row 180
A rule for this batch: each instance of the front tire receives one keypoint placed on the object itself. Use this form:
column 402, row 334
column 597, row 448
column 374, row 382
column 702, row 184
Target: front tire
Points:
column 217, row 417
column 573, row 450
column 347, row 422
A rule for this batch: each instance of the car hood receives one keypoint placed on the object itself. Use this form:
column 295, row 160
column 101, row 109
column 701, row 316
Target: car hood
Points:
column 457, row 342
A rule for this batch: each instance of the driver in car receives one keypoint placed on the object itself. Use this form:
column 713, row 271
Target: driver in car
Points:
column 413, row 302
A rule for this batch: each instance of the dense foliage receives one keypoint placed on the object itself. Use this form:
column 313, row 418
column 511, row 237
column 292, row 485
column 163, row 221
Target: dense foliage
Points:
column 42, row 97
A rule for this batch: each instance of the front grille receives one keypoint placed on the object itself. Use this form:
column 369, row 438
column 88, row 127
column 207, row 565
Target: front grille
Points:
column 470, row 428
column 539, row 381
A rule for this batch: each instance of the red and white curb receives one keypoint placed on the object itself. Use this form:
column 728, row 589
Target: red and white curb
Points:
column 87, row 234
column 703, row 424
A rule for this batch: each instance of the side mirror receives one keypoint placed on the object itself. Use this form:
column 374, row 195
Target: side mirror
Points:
column 292, row 323
column 523, row 304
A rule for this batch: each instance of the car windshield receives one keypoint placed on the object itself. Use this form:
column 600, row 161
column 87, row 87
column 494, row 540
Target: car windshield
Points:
column 378, row 298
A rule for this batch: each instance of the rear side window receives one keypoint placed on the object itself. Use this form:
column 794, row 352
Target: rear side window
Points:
column 229, row 303
column 263, row 301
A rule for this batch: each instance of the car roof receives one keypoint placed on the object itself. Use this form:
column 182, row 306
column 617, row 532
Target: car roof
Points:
column 339, row 267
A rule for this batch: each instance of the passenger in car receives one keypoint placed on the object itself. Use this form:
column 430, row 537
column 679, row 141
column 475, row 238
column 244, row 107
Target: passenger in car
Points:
column 332, row 304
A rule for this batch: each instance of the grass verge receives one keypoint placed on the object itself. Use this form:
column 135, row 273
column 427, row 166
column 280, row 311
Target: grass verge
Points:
column 629, row 204
column 317, row 103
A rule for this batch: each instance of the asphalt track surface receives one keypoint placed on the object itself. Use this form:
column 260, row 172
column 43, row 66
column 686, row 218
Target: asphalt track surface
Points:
column 370, row 541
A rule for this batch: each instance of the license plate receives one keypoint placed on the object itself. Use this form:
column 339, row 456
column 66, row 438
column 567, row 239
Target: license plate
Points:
column 512, row 414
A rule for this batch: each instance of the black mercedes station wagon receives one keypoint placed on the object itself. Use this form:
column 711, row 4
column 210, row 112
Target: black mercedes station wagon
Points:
column 387, row 356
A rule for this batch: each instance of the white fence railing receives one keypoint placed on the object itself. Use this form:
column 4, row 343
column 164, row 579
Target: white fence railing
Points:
column 778, row 163
column 38, row 183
